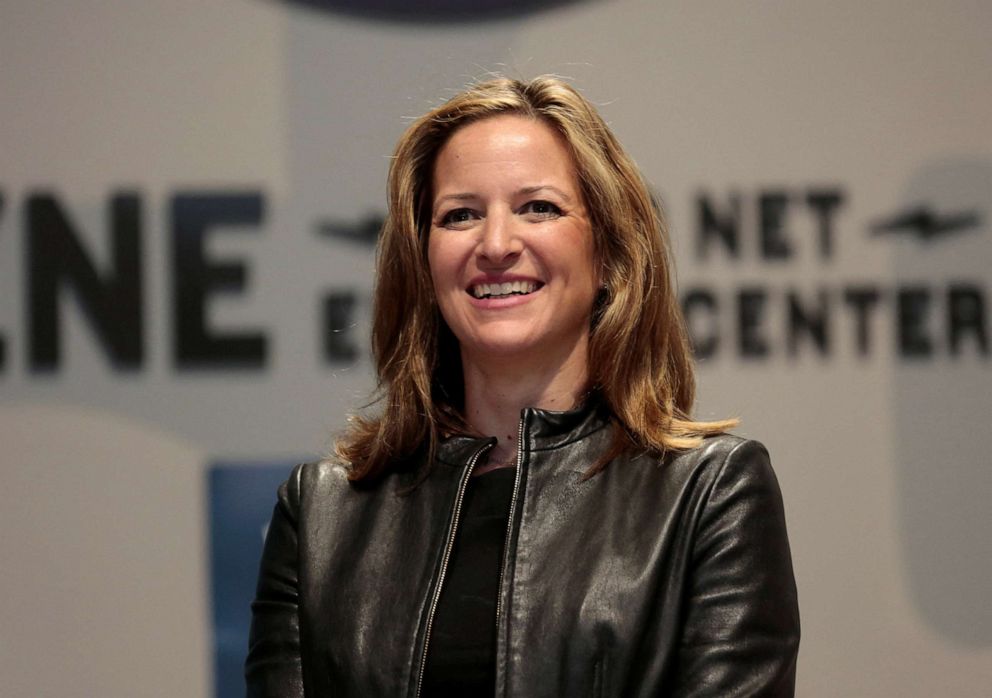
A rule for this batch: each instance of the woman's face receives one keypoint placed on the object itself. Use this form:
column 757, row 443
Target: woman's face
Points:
column 510, row 246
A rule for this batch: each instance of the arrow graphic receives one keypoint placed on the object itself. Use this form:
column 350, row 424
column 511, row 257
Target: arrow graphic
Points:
column 926, row 224
column 363, row 232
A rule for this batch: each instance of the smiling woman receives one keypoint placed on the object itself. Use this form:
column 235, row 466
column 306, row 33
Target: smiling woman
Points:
column 533, row 511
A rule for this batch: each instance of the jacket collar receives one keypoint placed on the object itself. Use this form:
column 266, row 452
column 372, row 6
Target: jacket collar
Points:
column 543, row 430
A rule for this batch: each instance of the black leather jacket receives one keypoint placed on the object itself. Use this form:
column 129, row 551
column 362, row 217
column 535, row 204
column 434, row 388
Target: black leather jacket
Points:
column 654, row 578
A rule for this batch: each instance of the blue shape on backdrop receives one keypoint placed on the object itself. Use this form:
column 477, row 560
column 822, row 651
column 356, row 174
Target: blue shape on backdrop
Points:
column 241, row 498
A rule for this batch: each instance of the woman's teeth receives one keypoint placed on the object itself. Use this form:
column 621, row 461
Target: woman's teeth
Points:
column 509, row 288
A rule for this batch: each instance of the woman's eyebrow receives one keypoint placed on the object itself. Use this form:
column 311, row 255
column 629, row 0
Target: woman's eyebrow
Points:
column 535, row 189
column 461, row 196
column 524, row 191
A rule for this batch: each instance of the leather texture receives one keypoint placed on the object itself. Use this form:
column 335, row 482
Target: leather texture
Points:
column 656, row 577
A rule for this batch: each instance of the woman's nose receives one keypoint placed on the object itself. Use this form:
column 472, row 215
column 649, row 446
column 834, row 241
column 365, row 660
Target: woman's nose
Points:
column 500, row 240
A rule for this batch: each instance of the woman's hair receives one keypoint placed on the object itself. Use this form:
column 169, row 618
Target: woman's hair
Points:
column 639, row 363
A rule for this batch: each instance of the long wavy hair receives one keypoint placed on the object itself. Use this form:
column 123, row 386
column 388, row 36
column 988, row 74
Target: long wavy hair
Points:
column 639, row 362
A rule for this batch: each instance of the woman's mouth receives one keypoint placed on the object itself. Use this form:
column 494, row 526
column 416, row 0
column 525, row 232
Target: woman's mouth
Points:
column 507, row 288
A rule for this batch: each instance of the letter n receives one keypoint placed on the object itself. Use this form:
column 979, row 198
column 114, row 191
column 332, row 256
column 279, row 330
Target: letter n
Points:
column 111, row 299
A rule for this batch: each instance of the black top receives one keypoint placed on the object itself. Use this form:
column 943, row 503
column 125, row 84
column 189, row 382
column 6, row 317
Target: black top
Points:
column 461, row 657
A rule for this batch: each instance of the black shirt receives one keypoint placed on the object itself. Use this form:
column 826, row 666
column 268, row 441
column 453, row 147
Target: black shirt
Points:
column 461, row 657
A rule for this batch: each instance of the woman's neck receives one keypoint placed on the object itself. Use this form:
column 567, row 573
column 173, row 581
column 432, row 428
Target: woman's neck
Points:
column 497, row 391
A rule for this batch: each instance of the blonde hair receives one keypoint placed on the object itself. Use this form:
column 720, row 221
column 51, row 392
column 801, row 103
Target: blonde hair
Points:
column 639, row 361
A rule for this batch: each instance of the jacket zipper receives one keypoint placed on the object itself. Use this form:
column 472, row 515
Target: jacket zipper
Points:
column 509, row 527
column 449, row 546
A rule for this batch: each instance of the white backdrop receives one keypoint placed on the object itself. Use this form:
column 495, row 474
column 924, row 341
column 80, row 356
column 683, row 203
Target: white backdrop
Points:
column 743, row 110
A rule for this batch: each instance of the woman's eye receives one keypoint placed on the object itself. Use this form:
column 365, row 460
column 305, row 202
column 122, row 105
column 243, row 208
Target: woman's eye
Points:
column 542, row 209
column 457, row 216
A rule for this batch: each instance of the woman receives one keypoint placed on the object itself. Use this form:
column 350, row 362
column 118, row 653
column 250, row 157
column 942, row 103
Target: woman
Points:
column 533, row 512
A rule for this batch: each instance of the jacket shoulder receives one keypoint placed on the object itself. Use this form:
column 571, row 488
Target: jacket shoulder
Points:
column 724, row 465
column 319, row 479
column 320, row 474
column 725, row 452
column 722, row 446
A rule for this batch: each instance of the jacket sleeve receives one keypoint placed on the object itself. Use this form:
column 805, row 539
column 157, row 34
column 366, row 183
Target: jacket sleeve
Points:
column 741, row 631
column 273, row 667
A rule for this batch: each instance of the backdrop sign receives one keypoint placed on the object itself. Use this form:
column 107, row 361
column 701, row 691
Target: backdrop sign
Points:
column 942, row 315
